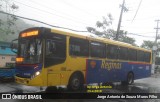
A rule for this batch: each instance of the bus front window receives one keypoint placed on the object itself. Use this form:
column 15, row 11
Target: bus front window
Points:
column 30, row 50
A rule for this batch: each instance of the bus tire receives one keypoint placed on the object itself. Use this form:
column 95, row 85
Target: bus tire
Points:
column 130, row 78
column 51, row 89
column 76, row 82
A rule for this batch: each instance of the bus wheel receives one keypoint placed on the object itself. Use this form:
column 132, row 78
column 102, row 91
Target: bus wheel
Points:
column 51, row 89
column 130, row 78
column 76, row 82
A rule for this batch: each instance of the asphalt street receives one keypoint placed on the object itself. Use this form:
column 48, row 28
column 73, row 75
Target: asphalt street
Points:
column 146, row 85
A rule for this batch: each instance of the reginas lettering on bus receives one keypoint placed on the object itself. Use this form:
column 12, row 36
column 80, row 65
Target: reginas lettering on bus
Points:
column 110, row 65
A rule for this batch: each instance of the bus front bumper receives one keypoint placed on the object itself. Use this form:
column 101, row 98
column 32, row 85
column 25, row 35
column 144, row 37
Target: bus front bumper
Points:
column 30, row 82
column 22, row 80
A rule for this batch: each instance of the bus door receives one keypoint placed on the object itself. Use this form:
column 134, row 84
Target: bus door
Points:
column 55, row 57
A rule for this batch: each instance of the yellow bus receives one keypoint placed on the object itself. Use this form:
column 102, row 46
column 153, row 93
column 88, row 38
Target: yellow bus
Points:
column 52, row 57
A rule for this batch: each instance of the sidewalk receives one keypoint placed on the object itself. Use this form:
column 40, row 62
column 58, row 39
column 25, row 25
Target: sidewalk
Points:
column 157, row 75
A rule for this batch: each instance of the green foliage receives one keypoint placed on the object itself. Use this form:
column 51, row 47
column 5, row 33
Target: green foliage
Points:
column 147, row 44
column 8, row 21
column 106, row 32
column 128, row 40
column 10, row 26
column 12, row 33
column 104, row 24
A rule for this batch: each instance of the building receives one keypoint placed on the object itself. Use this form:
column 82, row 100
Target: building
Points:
column 7, row 57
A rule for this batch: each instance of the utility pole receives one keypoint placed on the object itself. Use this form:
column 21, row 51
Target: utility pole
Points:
column 120, row 19
column 155, row 47
column 155, row 43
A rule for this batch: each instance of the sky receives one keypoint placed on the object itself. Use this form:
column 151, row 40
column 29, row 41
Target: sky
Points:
column 78, row 14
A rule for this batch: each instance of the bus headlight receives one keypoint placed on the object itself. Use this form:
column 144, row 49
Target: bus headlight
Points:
column 37, row 73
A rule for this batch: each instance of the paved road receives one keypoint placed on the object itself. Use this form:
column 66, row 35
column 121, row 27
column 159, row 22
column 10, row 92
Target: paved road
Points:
column 147, row 85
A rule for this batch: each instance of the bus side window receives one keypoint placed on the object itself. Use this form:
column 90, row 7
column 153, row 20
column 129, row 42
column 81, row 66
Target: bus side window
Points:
column 78, row 47
column 97, row 49
column 52, row 47
column 147, row 56
column 55, row 52
column 112, row 51
column 123, row 53
column 140, row 56
column 55, row 49
column 132, row 54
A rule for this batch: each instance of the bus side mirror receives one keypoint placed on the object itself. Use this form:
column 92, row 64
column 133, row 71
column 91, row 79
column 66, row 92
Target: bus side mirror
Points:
column 14, row 46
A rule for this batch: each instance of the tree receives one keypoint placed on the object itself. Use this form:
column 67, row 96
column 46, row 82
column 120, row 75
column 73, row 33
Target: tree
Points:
column 128, row 40
column 7, row 22
column 104, row 25
column 103, row 30
column 147, row 44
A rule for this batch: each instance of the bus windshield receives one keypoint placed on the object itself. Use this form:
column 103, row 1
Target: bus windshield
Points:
column 31, row 50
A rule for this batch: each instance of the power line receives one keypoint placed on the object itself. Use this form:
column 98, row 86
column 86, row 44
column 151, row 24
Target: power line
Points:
column 147, row 33
column 69, row 4
column 142, row 19
column 51, row 13
column 54, row 9
column 141, row 35
column 59, row 26
column 40, row 21
column 137, row 10
column 57, row 23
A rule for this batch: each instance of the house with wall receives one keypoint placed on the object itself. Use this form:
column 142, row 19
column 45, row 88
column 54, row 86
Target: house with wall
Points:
column 7, row 57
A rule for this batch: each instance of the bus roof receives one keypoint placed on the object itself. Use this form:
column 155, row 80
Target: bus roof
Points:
column 99, row 39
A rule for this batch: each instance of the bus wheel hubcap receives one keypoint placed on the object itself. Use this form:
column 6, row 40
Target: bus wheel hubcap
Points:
column 75, row 83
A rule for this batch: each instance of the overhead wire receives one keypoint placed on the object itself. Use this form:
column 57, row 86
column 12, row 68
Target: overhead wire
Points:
column 58, row 26
column 37, row 3
column 40, row 22
column 137, row 10
column 75, row 7
column 52, row 13
column 141, row 35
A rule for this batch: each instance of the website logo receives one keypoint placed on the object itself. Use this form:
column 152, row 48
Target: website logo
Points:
column 6, row 96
